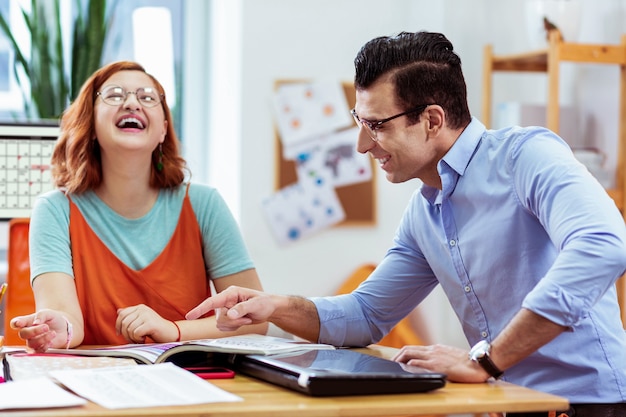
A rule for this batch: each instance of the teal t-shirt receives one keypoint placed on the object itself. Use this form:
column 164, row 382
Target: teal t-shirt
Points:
column 137, row 242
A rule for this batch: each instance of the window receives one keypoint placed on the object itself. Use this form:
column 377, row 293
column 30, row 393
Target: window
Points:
column 11, row 101
column 150, row 32
column 5, row 53
column 146, row 31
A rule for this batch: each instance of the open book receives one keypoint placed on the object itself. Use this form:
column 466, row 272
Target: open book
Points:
column 198, row 351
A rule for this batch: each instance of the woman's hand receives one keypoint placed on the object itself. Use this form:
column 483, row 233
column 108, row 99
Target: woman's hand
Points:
column 43, row 330
column 136, row 323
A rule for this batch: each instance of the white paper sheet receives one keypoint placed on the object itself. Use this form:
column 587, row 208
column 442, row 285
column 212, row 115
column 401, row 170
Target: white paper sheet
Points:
column 163, row 384
column 36, row 393
column 307, row 110
column 302, row 209
column 335, row 157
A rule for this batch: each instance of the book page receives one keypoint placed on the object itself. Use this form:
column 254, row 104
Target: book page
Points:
column 260, row 344
column 27, row 366
column 142, row 386
column 36, row 393
column 160, row 352
column 147, row 353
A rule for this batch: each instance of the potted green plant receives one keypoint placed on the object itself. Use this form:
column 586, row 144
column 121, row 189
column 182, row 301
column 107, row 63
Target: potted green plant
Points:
column 51, row 83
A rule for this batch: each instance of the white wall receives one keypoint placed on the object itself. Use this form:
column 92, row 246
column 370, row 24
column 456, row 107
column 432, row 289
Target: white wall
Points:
column 308, row 40
column 303, row 39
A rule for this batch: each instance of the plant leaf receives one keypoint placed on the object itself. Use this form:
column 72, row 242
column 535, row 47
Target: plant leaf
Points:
column 51, row 87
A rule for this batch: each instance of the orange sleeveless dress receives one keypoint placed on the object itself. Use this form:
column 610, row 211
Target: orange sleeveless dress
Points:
column 174, row 283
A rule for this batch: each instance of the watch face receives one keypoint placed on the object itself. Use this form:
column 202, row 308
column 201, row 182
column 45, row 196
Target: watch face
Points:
column 479, row 350
column 480, row 354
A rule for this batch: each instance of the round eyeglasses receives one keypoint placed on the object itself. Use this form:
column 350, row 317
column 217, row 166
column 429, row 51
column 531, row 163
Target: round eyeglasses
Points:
column 372, row 126
column 146, row 96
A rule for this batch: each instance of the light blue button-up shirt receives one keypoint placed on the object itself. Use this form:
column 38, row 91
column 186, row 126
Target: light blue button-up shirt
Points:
column 519, row 222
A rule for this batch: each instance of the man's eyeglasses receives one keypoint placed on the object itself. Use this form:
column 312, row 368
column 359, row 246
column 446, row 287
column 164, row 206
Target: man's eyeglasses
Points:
column 371, row 127
column 146, row 96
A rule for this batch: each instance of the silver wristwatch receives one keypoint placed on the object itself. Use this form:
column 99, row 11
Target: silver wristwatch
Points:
column 479, row 353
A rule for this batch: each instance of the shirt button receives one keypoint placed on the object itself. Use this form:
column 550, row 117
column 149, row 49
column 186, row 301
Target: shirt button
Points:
column 452, row 242
column 467, row 289
column 483, row 334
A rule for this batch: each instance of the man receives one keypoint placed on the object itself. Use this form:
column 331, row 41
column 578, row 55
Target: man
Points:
column 526, row 244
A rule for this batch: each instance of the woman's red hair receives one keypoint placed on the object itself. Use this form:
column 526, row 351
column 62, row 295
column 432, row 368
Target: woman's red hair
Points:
column 76, row 163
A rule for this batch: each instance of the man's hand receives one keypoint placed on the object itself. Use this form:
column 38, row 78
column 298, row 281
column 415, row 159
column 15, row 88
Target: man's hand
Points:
column 236, row 307
column 452, row 361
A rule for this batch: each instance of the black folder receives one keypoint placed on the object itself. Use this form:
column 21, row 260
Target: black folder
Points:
column 338, row 372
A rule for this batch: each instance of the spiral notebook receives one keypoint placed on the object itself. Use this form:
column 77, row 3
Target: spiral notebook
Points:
column 338, row 372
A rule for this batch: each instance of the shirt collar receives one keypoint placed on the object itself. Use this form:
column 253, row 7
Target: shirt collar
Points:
column 461, row 152
column 455, row 161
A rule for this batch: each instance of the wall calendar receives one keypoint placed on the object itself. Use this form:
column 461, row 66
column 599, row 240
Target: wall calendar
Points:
column 25, row 152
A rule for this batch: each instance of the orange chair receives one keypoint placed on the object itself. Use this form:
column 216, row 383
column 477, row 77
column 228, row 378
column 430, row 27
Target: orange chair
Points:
column 403, row 333
column 19, row 299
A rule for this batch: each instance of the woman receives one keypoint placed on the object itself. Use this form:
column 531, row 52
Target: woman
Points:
column 124, row 247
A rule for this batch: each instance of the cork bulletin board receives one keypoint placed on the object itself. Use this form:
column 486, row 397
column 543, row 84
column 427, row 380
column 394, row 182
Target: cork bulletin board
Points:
column 358, row 200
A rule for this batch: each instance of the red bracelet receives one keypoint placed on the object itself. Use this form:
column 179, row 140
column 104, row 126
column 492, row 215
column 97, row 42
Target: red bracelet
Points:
column 177, row 328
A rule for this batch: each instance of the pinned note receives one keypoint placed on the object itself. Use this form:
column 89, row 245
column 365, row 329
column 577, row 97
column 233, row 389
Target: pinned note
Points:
column 305, row 111
column 301, row 209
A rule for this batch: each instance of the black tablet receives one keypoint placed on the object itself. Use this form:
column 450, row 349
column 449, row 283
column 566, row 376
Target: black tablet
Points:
column 338, row 372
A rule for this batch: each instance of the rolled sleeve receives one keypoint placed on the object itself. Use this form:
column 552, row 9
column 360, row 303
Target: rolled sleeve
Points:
column 555, row 303
column 342, row 321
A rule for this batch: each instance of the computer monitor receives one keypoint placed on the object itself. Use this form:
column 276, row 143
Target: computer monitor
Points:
column 25, row 152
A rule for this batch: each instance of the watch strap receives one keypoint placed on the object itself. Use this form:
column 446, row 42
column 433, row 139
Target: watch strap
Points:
column 488, row 365
column 480, row 354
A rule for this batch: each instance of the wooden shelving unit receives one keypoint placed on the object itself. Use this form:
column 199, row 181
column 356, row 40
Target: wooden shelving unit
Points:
column 548, row 61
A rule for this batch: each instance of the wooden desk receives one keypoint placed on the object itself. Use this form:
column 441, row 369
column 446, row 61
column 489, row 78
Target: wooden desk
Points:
column 264, row 400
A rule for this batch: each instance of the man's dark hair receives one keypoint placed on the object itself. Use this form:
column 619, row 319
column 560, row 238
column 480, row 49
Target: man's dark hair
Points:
column 423, row 68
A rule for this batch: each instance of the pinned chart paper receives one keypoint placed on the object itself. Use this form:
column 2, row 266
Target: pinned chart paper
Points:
column 302, row 209
column 336, row 158
column 305, row 111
